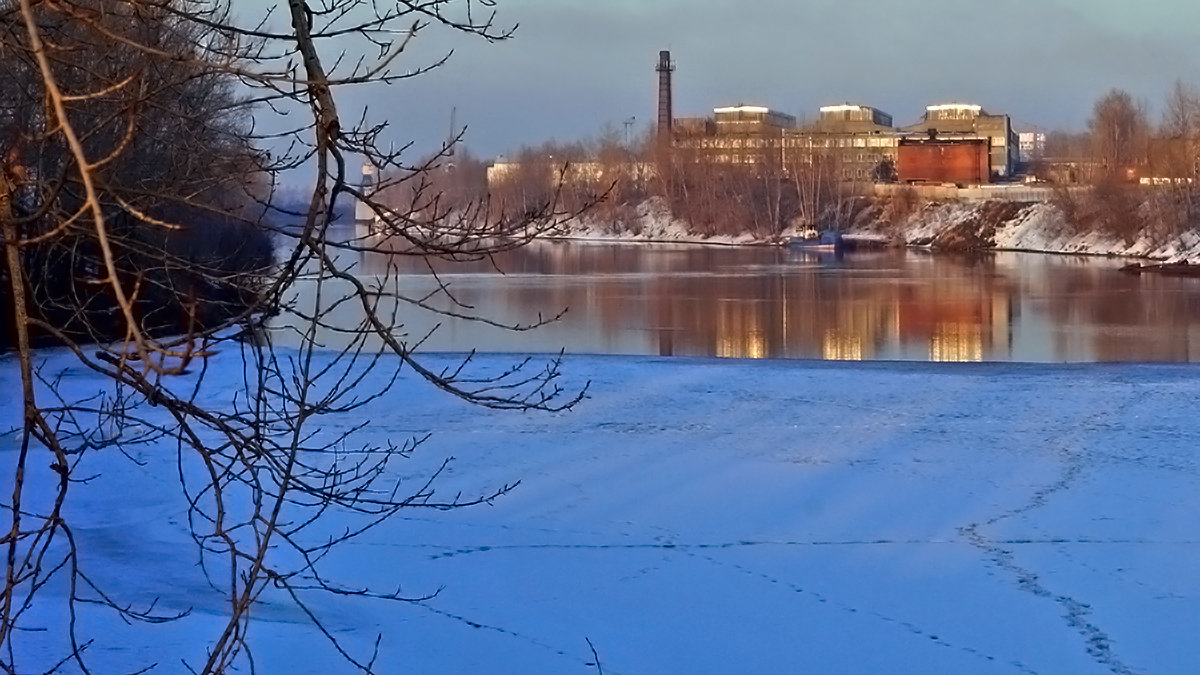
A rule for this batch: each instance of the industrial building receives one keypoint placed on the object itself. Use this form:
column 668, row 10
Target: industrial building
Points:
column 850, row 143
column 858, row 143
column 966, row 122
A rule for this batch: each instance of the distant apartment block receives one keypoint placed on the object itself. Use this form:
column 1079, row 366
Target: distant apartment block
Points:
column 1033, row 145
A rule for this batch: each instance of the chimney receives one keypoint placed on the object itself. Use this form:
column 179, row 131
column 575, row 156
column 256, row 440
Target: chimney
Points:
column 363, row 213
column 665, row 112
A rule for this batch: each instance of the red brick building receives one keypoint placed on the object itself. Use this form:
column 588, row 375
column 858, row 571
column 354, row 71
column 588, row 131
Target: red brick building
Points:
column 963, row 161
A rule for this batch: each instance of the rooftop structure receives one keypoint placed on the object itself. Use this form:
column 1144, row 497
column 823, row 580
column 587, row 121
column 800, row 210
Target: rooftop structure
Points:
column 848, row 116
column 953, row 111
column 751, row 118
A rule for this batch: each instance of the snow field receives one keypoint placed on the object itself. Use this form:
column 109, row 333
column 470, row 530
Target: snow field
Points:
column 708, row 516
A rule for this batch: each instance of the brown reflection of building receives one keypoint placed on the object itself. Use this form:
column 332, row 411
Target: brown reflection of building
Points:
column 948, row 311
column 960, row 323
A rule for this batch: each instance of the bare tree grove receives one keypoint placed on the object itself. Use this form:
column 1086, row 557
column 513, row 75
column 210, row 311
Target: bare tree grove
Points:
column 143, row 144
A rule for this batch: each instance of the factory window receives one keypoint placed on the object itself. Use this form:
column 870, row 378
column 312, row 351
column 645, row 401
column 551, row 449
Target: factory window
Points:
column 860, row 142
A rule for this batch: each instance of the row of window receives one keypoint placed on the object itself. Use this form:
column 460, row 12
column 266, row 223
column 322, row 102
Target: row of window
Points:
column 811, row 142
column 793, row 142
column 863, row 159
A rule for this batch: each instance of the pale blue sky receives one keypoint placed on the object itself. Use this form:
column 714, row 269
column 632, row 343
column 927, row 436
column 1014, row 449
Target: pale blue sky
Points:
column 576, row 65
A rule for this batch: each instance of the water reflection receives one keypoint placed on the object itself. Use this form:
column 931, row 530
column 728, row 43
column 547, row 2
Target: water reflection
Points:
column 775, row 303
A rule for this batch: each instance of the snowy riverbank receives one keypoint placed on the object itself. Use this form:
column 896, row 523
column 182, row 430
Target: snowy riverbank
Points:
column 1038, row 227
column 703, row 516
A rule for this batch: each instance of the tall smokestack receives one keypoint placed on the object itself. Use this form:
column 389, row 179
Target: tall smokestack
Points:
column 363, row 213
column 665, row 112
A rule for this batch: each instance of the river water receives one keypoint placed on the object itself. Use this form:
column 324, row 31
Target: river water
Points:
column 760, row 302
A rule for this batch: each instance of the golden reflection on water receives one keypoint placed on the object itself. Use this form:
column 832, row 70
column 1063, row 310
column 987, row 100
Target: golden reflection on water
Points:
column 841, row 346
column 956, row 342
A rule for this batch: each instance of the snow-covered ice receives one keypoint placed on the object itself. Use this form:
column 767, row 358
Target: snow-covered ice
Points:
column 712, row 516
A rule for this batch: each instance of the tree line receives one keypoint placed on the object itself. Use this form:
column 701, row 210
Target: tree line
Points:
column 1119, row 148
column 614, row 175
column 1141, row 176
column 159, row 152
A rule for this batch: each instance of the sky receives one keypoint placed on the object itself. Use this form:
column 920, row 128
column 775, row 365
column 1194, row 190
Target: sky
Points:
column 577, row 66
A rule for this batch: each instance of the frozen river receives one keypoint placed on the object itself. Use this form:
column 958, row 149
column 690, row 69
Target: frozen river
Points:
column 713, row 516
column 759, row 302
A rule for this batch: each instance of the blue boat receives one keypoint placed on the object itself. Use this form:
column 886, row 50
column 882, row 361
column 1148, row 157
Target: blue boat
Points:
column 829, row 241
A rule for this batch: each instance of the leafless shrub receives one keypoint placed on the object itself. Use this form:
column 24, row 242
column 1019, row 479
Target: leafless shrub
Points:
column 114, row 162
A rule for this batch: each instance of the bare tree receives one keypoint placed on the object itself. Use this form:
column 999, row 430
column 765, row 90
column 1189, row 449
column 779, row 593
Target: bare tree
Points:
column 111, row 155
column 814, row 174
column 1175, row 159
column 1179, row 135
column 1119, row 134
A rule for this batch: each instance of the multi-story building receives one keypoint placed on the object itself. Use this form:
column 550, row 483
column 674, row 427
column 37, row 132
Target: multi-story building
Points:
column 741, row 134
column 1032, row 144
column 859, row 141
column 853, row 140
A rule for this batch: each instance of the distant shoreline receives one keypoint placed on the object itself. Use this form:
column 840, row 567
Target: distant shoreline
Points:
column 951, row 226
